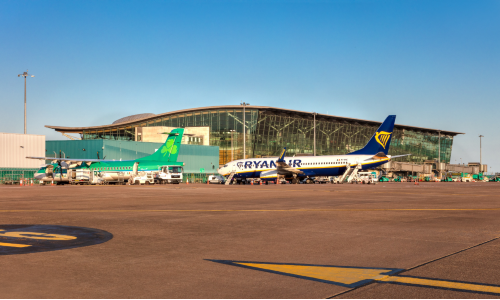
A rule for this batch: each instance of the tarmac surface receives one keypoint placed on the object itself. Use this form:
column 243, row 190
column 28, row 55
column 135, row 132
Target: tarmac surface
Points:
column 389, row 240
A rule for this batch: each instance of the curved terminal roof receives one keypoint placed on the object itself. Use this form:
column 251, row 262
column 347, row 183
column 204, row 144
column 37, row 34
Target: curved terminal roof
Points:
column 132, row 118
column 289, row 112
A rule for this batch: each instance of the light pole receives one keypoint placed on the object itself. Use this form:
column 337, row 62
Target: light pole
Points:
column 314, row 134
column 25, row 74
column 439, row 153
column 480, row 154
column 244, row 129
column 232, row 151
column 439, row 146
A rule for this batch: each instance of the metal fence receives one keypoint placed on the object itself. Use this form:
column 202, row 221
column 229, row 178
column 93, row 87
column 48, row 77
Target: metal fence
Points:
column 196, row 177
column 15, row 175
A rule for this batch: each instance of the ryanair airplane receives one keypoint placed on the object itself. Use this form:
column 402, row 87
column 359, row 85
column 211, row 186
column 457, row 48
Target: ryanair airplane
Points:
column 372, row 155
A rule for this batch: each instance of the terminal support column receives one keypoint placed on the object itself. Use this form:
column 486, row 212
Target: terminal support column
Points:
column 244, row 129
column 314, row 139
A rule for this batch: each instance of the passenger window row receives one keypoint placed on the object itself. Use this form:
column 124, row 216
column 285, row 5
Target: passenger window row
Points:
column 112, row 168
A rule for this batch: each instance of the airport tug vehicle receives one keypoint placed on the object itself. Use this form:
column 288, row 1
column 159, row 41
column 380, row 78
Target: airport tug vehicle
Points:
column 142, row 177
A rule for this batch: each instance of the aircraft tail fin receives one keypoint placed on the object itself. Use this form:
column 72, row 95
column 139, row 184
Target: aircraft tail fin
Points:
column 381, row 140
column 170, row 150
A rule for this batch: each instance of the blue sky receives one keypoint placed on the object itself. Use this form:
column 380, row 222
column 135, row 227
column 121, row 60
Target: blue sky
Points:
column 434, row 64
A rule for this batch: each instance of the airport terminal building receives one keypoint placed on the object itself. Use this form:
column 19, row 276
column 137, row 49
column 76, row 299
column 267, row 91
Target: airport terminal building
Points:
column 267, row 130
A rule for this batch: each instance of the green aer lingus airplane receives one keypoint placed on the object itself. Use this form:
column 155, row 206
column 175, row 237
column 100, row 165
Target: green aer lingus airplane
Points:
column 111, row 170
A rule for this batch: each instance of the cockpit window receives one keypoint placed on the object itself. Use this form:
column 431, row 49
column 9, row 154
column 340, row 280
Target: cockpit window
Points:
column 225, row 166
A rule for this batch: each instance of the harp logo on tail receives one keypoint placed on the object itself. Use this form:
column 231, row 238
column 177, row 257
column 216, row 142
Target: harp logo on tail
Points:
column 383, row 137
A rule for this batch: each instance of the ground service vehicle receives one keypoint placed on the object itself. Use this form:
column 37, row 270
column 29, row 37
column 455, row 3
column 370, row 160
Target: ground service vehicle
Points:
column 367, row 177
column 215, row 179
column 146, row 178
column 466, row 177
column 335, row 179
column 400, row 179
column 79, row 176
column 169, row 174
column 95, row 178
column 322, row 179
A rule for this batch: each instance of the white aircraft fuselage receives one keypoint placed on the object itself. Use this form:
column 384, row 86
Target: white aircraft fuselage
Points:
column 311, row 166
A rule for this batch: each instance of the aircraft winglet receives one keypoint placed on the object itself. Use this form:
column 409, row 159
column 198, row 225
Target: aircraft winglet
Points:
column 282, row 156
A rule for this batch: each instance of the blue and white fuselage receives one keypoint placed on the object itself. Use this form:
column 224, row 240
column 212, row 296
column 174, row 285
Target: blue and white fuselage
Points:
column 311, row 166
column 372, row 155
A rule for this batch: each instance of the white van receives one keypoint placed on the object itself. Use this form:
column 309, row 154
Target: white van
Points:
column 216, row 179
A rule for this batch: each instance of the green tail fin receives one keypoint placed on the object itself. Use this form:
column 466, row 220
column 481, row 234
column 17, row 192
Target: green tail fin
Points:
column 170, row 150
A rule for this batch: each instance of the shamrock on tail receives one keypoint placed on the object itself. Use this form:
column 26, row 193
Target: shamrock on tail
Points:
column 165, row 148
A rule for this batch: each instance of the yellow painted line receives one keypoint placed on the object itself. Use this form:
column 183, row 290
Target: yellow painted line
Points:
column 336, row 274
column 37, row 235
column 354, row 276
column 14, row 245
column 442, row 284
column 250, row 210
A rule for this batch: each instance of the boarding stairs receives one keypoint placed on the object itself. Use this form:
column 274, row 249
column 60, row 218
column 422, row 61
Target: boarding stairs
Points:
column 350, row 173
column 354, row 173
column 229, row 178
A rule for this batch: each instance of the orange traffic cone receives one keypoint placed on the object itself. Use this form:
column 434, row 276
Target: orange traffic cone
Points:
column 251, row 182
column 52, row 183
column 260, row 182
column 31, row 182
column 208, row 182
column 21, row 182
column 187, row 181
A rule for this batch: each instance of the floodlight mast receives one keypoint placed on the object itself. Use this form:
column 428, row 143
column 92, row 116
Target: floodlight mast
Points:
column 480, row 154
column 25, row 74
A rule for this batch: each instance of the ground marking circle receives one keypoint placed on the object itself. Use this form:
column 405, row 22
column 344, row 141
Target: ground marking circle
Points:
column 23, row 239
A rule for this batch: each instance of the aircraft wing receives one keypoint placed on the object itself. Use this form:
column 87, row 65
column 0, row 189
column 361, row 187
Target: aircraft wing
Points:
column 69, row 159
column 395, row 156
column 283, row 168
column 381, row 155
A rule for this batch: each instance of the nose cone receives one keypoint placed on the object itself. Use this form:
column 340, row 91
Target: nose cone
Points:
column 221, row 171
column 39, row 176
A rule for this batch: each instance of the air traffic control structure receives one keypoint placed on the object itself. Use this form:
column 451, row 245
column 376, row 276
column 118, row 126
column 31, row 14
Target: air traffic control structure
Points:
column 263, row 131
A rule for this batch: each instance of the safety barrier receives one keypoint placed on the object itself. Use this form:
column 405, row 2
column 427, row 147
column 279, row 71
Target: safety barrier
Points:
column 15, row 175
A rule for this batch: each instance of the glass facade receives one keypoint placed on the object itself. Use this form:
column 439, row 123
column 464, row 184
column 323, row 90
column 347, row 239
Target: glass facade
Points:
column 269, row 130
